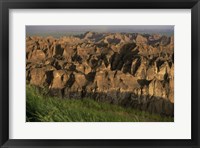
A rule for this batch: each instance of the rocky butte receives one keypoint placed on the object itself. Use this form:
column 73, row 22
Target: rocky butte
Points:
column 129, row 69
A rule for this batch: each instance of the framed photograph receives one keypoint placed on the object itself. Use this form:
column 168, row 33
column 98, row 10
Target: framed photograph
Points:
column 99, row 74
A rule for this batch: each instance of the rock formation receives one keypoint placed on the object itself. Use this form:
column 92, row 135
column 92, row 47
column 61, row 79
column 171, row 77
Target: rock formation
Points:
column 130, row 69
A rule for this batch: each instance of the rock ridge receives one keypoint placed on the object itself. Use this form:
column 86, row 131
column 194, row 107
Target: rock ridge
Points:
column 130, row 69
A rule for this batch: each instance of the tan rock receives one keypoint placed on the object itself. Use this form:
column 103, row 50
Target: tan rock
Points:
column 37, row 55
column 157, row 90
column 151, row 72
column 141, row 71
column 163, row 71
column 38, row 76
column 141, row 39
column 59, row 80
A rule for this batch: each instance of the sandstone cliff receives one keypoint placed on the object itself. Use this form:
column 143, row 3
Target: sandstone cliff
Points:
column 129, row 69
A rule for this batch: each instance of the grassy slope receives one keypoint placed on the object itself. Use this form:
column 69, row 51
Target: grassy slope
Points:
column 40, row 108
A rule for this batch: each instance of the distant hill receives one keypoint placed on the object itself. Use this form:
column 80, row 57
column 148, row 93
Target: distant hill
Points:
column 59, row 31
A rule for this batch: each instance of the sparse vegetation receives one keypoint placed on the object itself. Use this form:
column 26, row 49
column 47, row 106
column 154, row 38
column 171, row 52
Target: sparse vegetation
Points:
column 42, row 108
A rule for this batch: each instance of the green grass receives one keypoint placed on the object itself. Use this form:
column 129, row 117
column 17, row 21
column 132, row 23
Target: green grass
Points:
column 41, row 108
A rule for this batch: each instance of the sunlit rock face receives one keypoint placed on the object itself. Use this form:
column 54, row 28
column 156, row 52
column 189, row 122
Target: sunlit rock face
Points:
column 135, row 70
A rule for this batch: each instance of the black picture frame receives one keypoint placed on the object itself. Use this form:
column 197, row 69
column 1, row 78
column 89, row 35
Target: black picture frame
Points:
column 5, row 5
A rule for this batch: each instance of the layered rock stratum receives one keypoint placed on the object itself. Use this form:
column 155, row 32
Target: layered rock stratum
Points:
column 129, row 69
